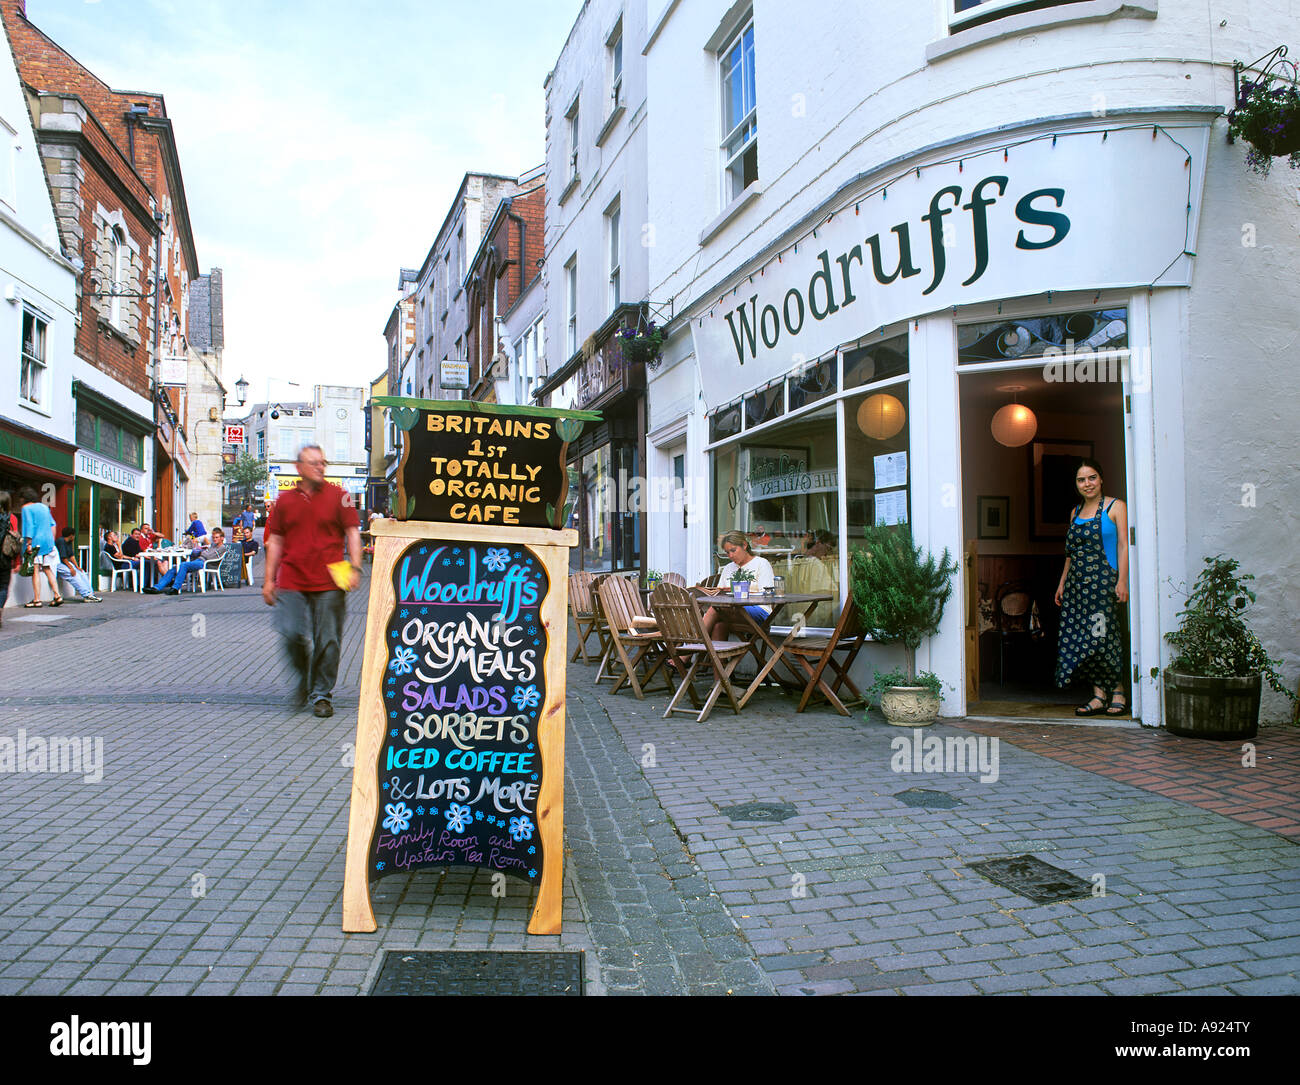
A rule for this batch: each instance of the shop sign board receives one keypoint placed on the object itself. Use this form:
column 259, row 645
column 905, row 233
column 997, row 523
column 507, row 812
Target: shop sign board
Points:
column 90, row 466
column 1083, row 210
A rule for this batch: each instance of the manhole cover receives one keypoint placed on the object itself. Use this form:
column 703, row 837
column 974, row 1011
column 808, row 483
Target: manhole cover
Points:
column 1030, row 877
column 760, row 811
column 933, row 800
column 445, row 972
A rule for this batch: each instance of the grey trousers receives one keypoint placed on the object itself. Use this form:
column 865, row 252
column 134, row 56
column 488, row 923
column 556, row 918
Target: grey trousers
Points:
column 311, row 625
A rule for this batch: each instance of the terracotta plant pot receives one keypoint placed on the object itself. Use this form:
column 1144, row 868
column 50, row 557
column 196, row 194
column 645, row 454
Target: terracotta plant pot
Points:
column 1222, row 709
column 909, row 706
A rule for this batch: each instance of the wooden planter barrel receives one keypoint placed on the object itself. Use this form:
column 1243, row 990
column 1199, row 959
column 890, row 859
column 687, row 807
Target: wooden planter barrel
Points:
column 1222, row 709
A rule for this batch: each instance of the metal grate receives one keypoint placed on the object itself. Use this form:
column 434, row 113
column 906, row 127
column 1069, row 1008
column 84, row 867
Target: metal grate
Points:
column 482, row 972
column 930, row 800
column 1028, row 876
column 760, row 811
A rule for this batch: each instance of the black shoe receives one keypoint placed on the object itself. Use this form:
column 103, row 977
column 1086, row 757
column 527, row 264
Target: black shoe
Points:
column 172, row 591
column 323, row 709
column 151, row 591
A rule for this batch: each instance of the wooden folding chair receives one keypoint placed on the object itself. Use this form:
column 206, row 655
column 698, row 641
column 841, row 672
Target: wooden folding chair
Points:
column 583, row 618
column 603, row 672
column 678, row 616
column 710, row 581
column 633, row 648
column 674, row 578
column 816, row 654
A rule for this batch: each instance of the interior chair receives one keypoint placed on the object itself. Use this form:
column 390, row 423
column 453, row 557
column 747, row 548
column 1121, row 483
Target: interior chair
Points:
column 1012, row 607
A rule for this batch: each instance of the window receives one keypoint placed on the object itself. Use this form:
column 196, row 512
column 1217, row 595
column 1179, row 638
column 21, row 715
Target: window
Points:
column 739, row 115
column 571, row 117
column 341, row 446
column 968, row 13
column 460, row 258
column 571, row 307
column 614, row 50
column 615, row 259
column 95, row 434
column 119, row 262
column 261, row 444
column 31, row 379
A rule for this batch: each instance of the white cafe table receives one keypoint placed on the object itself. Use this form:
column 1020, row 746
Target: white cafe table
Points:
column 173, row 556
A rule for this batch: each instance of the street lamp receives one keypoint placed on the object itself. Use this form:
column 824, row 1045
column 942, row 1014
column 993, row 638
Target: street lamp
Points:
column 241, row 390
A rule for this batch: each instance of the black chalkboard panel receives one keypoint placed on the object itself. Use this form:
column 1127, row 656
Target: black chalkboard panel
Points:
column 469, row 463
column 460, row 768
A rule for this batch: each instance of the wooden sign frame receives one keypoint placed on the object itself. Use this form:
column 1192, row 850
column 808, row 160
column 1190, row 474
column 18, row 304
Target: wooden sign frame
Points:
column 391, row 539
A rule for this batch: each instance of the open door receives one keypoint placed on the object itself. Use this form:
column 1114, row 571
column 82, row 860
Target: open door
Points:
column 971, row 573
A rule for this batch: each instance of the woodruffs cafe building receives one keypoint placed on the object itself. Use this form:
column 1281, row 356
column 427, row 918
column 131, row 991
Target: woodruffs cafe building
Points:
column 942, row 339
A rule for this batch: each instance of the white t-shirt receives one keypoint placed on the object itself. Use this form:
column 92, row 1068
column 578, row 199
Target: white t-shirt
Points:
column 763, row 578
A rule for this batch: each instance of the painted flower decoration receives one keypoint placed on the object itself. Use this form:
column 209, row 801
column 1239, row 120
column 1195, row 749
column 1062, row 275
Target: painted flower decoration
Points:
column 521, row 828
column 496, row 558
column 403, row 661
column 526, row 697
column 399, row 817
column 458, row 817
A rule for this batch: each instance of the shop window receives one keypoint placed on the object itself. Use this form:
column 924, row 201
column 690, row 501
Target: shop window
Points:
column 782, row 489
column 968, row 13
column 31, row 379
column 599, row 505
column 724, row 423
column 132, row 448
column 811, row 383
column 875, row 361
column 878, row 489
column 739, row 114
column 764, row 406
column 110, row 438
column 1058, row 337
column 87, row 437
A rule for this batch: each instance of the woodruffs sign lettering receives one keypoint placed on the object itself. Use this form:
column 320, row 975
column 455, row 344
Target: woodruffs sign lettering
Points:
column 1084, row 210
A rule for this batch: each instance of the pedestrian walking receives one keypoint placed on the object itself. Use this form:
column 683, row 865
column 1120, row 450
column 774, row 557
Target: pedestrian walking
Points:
column 307, row 530
column 38, row 541
column 8, row 527
column 1093, row 584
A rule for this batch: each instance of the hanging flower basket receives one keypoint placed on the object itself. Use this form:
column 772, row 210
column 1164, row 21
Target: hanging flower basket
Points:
column 1267, row 117
column 642, row 346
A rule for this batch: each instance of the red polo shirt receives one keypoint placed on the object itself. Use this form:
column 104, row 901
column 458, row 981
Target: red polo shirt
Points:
column 312, row 529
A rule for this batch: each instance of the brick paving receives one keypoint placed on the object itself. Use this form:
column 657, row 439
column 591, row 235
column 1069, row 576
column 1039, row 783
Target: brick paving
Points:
column 209, row 859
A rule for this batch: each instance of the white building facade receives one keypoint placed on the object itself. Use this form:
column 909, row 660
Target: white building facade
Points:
column 334, row 418
column 877, row 226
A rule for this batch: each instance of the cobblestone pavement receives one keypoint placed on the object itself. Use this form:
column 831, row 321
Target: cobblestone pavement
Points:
column 209, row 858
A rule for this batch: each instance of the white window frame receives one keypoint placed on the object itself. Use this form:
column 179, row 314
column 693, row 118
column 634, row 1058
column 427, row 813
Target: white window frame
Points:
column 613, row 219
column 571, row 119
column 571, row 306
column 33, row 367
column 119, row 260
column 614, row 51
column 746, row 129
column 983, row 9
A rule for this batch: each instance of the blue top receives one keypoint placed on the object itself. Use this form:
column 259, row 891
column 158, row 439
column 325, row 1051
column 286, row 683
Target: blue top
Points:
column 1109, row 535
column 197, row 529
column 38, row 525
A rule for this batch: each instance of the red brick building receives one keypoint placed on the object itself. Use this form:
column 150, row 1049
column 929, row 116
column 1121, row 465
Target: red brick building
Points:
column 114, row 173
column 507, row 263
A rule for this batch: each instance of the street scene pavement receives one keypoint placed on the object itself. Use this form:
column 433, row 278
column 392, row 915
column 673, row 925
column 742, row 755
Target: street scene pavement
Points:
column 200, row 848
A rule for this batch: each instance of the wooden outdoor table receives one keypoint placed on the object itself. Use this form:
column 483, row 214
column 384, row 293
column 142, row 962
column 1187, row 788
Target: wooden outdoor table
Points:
column 758, row 635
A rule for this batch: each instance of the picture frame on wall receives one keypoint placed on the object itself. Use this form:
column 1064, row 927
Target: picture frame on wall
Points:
column 1052, row 493
column 994, row 514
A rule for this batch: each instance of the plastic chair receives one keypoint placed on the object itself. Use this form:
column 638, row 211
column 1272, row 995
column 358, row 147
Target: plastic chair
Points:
column 109, row 569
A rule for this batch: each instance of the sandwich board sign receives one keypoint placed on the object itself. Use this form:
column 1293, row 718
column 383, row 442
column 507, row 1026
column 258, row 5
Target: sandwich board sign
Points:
column 460, row 729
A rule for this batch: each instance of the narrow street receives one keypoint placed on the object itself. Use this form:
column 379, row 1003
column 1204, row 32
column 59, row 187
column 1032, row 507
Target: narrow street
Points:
column 208, row 859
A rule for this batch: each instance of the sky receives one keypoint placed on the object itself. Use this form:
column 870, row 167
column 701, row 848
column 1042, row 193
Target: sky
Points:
column 321, row 143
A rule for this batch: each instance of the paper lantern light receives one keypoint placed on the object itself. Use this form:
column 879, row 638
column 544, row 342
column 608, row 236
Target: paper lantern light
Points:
column 881, row 416
column 1014, row 425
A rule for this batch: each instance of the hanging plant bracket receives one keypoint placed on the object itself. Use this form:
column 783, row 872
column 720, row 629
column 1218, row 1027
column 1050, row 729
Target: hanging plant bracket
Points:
column 1266, row 111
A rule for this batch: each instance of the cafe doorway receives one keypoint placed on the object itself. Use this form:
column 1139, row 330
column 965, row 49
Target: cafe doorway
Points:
column 1023, row 431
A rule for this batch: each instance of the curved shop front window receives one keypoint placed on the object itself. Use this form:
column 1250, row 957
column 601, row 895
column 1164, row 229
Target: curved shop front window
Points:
column 780, row 479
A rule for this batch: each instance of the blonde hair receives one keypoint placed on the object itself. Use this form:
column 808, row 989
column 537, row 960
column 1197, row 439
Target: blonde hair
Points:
column 737, row 538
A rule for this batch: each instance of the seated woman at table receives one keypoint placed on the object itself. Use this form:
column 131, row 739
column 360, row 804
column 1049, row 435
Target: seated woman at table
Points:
column 174, row 582
column 736, row 545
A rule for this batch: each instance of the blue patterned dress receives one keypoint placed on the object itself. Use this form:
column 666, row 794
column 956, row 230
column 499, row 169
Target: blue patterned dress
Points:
column 1090, row 644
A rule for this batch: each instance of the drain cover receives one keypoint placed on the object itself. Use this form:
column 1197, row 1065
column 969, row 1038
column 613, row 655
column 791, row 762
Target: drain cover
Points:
column 444, row 972
column 933, row 800
column 1030, row 877
column 760, row 811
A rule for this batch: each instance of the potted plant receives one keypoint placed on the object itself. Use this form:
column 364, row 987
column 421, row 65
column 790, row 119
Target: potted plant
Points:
column 642, row 346
column 652, row 578
column 900, row 592
column 740, row 581
column 1213, row 684
column 1267, row 116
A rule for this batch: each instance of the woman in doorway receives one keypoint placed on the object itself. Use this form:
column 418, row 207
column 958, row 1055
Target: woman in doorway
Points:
column 1093, row 583
column 736, row 545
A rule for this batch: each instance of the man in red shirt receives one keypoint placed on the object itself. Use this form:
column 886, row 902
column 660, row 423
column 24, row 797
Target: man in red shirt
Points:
column 306, row 531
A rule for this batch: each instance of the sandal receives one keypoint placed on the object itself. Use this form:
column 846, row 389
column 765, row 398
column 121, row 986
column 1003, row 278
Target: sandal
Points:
column 57, row 601
column 1118, row 704
column 1087, row 710
column 33, row 603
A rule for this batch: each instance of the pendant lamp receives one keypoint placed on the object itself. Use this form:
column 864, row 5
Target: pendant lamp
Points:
column 881, row 416
column 1015, row 424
